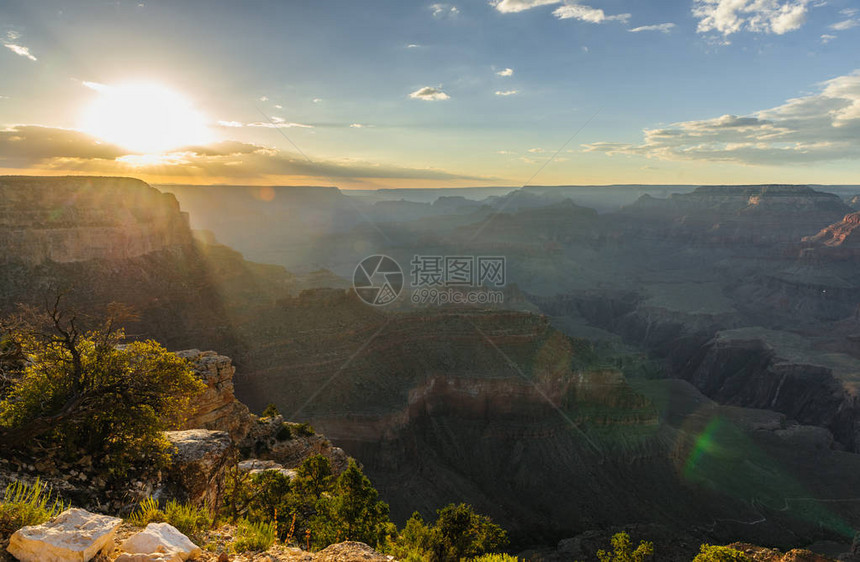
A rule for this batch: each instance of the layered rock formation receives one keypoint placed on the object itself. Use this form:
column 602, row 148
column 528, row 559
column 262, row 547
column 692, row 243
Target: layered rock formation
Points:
column 70, row 219
column 839, row 241
column 217, row 408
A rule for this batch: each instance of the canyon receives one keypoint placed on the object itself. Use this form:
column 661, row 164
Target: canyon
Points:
column 679, row 357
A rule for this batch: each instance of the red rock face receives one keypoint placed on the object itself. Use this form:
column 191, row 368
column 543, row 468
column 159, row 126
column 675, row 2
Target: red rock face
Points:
column 71, row 219
column 839, row 241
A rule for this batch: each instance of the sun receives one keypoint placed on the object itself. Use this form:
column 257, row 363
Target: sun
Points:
column 144, row 117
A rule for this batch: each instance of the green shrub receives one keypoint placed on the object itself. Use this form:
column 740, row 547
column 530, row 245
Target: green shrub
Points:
column 148, row 511
column 458, row 533
column 25, row 504
column 712, row 553
column 622, row 550
column 495, row 558
column 285, row 433
column 84, row 390
column 303, row 430
column 270, row 411
column 188, row 519
column 254, row 536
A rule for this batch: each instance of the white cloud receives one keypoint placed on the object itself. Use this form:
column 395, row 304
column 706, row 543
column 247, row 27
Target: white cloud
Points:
column 844, row 25
column 444, row 10
column 661, row 27
column 759, row 16
column 506, row 72
column 570, row 10
column 428, row 93
column 264, row 98
column 317, row 100
column 514, row 6
column 536, row 150
column 827, row 38
column 818, row 127
column 413, row 46
column 586, row 13
column 275, row 123
column 20, row 51
column 279, row 106
column 357, row 126
column 507, row 92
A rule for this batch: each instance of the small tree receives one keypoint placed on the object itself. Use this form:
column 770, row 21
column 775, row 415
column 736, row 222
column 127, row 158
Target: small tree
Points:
column 351, row 511
column 88, row 390
column 622, row 550
column 271, row 411
column 463, row 533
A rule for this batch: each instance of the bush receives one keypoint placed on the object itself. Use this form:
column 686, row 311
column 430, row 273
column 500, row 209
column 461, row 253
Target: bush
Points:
column 188, row 519
column 85, row 390
column 270, row 411
column 254, row 536
column 622, row 550
column 24, row 504
column 495, row 558
column 710, row 553
column 457, row 533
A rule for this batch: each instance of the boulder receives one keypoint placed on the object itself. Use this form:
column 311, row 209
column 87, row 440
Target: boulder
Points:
column 256, row 466
column 200, row 460
column 160, row 542
column 350, row 551
column 76, row 535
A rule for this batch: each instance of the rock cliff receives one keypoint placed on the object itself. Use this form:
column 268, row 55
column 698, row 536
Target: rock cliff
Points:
column 70, row 219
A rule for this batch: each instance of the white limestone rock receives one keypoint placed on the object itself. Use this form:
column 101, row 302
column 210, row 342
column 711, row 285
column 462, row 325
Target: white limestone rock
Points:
column 76, row 535
column 159, row 542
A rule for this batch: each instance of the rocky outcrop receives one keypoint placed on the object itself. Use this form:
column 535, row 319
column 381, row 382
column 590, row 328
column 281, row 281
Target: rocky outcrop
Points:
column 839, row 241
column 71, row 219
column 159, row 542
column 288, row 444
column 217, row 408
column 75, row 535
column 200, row 460
column 743, row 370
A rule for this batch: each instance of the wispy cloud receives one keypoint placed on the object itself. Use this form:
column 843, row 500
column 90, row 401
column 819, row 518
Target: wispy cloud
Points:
column 506, row 72
column 429, row 93
column 661, row 27
column 759, row 16
column 514, row 6
column 275, row 123
column 819, row 127
column 20, row 50
column 588, row 14
column 569, row 10
column 444, row 10
column 845, row 25
column 507, row 92
column 827, row 38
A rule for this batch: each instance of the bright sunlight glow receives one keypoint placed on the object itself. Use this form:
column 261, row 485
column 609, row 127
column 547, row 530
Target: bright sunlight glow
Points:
column 144, row 117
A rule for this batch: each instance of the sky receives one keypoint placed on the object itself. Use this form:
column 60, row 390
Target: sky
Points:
column 403, row 93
